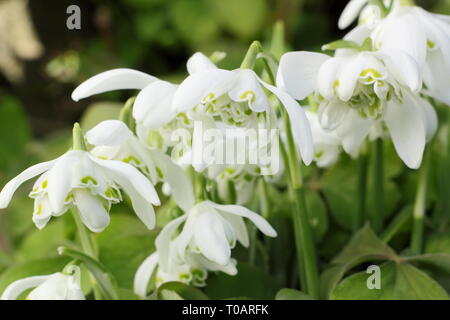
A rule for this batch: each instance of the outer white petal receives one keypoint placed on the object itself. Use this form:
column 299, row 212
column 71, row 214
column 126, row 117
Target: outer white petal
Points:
column 153, row 105
column 436, row 77
column 210, row 237
column 239, row 227
column 60, row 178
column 164, row 239
column 298, row 72
column 142, row 193
column 91, row 209
column 349, row 74
column 109, row 133
column 11, row 187
column 429, row 117
column 351, row 13
column 353, row 131
column 202, row 87
column 247, row 88
column 258, row 220
column 299, row 123
column 328, row 76
column 199, row 62
column 407, row 130
column 13, row 291
column 112, row 80
column 179, row 182
column 402, row 67
column 144, row 274
column 130, row 178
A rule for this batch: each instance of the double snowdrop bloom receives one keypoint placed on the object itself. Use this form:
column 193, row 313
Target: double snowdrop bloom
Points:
column 363, row 91
column 237, row 97
column 78, row 179
column 411, row 29
column 115, row 141
column 56, row 286
column 327, row 145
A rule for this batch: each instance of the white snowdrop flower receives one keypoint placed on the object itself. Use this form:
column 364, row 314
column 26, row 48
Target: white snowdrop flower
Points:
column 424, row 36
column 56, row 286
column 211, row 230
column 115, row 141
column 327, row 145
column 358, row 91
column 79, row 179
column 369, row 14
column 235, row 96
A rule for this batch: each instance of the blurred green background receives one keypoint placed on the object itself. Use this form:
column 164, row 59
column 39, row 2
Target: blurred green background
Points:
column 154, row 36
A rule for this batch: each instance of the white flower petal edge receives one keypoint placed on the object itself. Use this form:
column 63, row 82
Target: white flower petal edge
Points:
column 10, row 188
column 297, row 73
column 299, row 123
column 112, row 80
column 143, row 275
column 13, row 291
column 109, row 133
column 351, row 12
column 199, row 62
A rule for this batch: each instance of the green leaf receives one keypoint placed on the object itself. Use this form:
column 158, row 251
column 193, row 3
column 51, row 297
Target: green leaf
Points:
column 32, row 268
column 291, row 294
column 434, row 261
column 363, row 247
column 398, row 281
column 178, row 291
column 123, row 246
column 250, row 282
column 14, row 130
column 103, row 277
column 317, row 213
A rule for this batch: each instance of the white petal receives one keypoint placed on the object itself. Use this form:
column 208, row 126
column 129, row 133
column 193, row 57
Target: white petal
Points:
column 402, row 67
column 112, row 80
column 299, row 123
column 109, row 133
column 436, row 77
column 141, row 191
column 351, row 12
column 407, row 130
column 153, row 105
column 13, row 291
column 353, row 131
column 258, row 220
column 54, row 288
column 348, row 75
column 91, row 209
column 60, row 178
column 210, row 237
column 239, row 227
column 429, row 117
column 247, row 88
column 202, row 87
column 11, row 187
column 327, row 79
column 298, row 72
column 144, row 274
column 164, row 240
column 199, row 62
column 179, row 182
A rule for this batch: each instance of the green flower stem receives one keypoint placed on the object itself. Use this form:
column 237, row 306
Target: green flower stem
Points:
column 363, row 162
column 420, row 205
column 87, row 247
column 232, row 196
column 250, row 57
column 199, row 186
column 376, row 216
column 302, row 229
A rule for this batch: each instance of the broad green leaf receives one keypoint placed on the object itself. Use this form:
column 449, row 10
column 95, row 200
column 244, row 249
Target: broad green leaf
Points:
column 31, row 268
column 106, row 282
column 363, row 247
column 434, row 261
column 14, row 131
column 123, row 246
column 399, row 281
column 178, row 291
column 291, row 294
column 250, row 282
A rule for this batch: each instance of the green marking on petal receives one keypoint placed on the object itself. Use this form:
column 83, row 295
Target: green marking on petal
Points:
column 44, row 184
column 248, row 95
column 89, row 179
column 39, row 210
column 373, row 72
column 131, row 159
column 431, row 44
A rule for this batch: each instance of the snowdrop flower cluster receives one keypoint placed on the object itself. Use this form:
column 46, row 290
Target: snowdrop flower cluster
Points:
column 57, row 286
column 373, row 86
